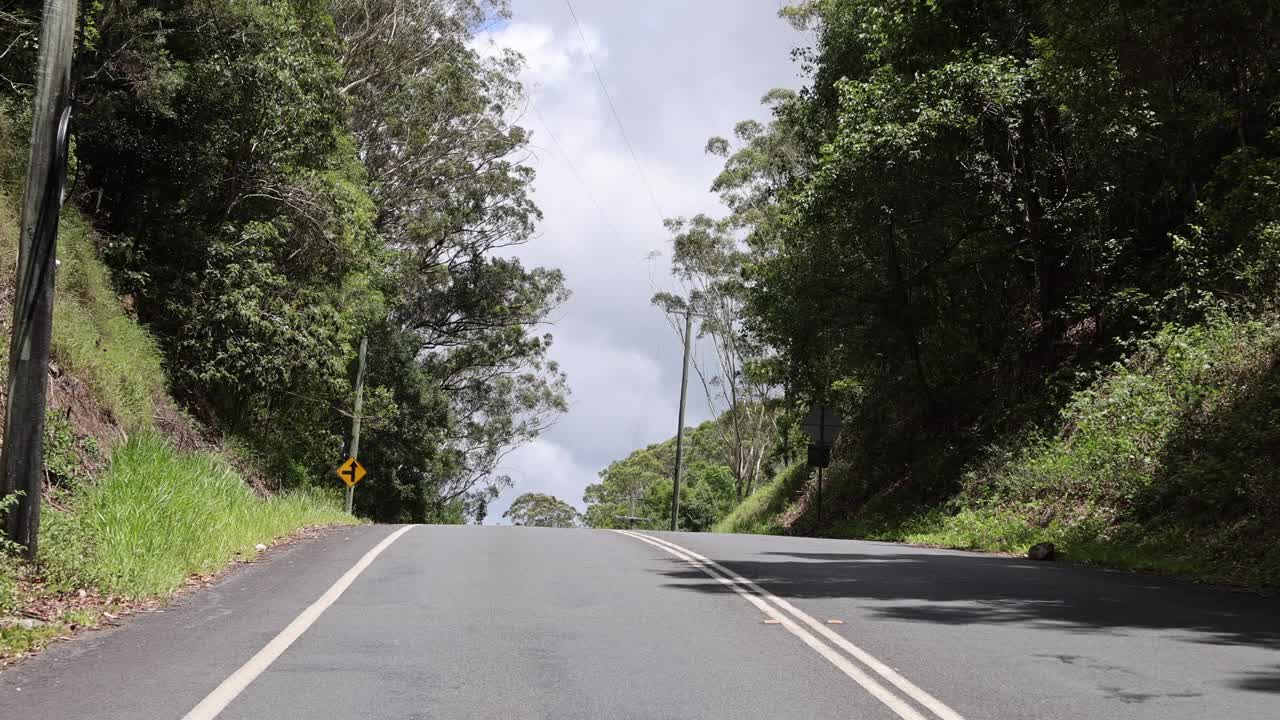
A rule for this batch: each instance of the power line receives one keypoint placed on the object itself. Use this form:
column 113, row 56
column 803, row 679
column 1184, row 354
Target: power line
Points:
column 586, row 188
column 616, row 117
column 574, row 168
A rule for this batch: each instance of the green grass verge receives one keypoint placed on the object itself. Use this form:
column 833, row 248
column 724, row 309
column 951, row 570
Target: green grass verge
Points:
column 758, row 513
column 1168, row 462
column 93, row 337
column 158, row 516
column 1201, row 553
column 16, row 640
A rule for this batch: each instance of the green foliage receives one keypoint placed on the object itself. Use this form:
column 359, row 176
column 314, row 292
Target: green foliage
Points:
column 640, row 485
column 10, row 568
column 235, row 206
column 62, row 450
column 431, row 118
column 967, row 220
column 706, row 495
column 158, row 516
column 12, row 163
column 1124, row 438
column 759, row 512
column 1167, row 461
column 271, row 181
column 986, row 203
column 95, row 339
column 539, row 510
column 17, row 639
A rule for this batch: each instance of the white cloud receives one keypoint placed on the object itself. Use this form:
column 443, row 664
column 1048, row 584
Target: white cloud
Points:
column 545, row 466
column 678, row 73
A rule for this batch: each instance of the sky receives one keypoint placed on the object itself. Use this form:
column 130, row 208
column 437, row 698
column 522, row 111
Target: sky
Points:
column 679, row 72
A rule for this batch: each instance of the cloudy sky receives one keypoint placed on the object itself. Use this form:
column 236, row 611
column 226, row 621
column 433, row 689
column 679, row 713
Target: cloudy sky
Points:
column 679, row 72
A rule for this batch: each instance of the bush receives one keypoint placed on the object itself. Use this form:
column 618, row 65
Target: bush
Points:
column 1169, row 461
column 1111, row 458
column 95, row 339
column 758, row 513
column 9, row 566
column 158, row 516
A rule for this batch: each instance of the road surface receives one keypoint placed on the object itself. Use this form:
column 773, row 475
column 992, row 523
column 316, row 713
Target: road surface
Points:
column 492, row 622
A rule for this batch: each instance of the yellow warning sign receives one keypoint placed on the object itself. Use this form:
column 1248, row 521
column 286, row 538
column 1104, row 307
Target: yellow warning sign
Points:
column 351, row 472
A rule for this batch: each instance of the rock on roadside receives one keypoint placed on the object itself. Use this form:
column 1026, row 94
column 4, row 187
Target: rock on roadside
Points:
column 1041, row 551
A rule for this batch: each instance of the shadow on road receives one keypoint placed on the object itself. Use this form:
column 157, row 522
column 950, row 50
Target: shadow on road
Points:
column 916, row 585
column 1268, row 681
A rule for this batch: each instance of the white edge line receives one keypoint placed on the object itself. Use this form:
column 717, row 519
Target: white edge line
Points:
column 880, row 692
column 919, row 695
column 230, row 688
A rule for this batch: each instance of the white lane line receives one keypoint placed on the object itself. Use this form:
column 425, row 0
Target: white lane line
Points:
column 899, row 706
column 221, row 697
column 911, row 689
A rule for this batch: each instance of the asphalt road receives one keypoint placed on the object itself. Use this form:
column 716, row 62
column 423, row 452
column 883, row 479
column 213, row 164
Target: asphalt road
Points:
column 467, row 622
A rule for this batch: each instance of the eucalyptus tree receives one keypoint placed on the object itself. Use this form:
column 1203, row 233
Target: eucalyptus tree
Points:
column 434, row 125
column 710, row 258
column 540, row 510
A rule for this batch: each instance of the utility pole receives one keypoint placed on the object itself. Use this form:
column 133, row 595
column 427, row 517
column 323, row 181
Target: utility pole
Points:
column 355, row 417
column 22, row 458
column 684, row 386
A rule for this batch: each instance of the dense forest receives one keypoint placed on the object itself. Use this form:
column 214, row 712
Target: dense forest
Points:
column 268, row 182
column 1031, row 252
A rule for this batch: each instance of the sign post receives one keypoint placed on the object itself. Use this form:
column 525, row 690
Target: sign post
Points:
column 821, row 425
column 355, row 428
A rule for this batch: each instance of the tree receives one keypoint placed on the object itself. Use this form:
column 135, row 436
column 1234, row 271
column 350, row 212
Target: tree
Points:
column 640, row 485
column 989, row 199
column 539, row 510
column 276, row 180
column 709, row 259
column 432, row 122
column 212, row 154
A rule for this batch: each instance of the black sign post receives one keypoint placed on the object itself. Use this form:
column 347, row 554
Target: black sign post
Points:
column 821, row 425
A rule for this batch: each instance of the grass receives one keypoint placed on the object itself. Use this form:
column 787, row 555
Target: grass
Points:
column 158, row 516
column 155, row 516
column 95, row 339
column 1201, row 553
column 15, row 640
column 758, row 512
column 1168, row 462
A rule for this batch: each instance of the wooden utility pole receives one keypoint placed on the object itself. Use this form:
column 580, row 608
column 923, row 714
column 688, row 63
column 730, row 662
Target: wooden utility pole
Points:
column 22, row 459
column 684, row 386
column 355, row 417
